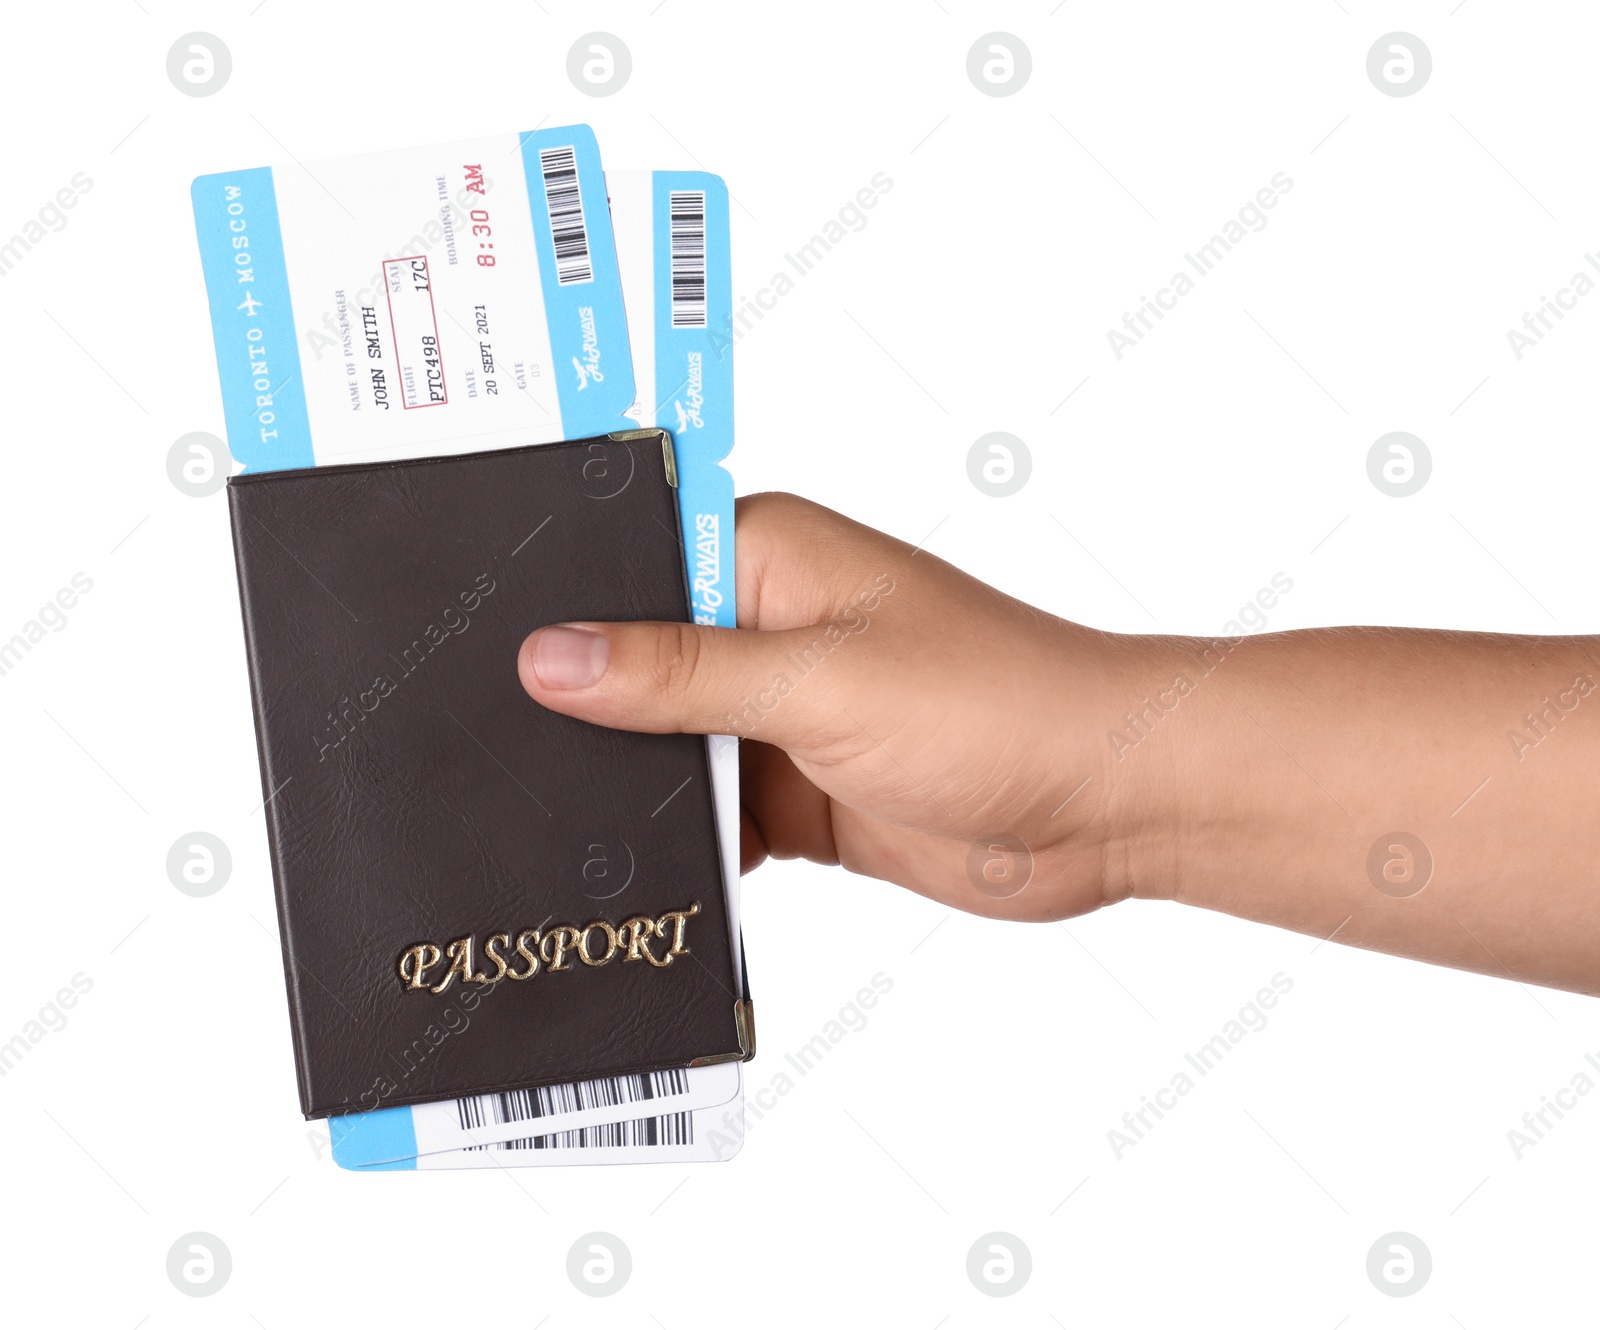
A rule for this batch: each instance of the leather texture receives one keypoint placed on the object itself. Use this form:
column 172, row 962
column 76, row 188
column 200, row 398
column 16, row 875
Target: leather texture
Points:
column 444, row 802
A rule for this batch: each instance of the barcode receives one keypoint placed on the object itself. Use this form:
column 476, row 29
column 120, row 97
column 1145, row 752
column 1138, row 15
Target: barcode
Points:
column 606, row 1092
column 567, row 231
column 674, row 1129
column 687, row 216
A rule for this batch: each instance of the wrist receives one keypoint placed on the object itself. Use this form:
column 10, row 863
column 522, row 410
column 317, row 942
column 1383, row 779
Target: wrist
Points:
column 1178, row 790
column 1110, row 820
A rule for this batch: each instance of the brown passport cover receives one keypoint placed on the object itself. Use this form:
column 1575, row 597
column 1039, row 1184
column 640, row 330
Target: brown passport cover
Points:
column 416, row 795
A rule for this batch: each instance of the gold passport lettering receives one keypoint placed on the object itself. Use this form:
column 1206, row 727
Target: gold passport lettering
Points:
column 593, row 945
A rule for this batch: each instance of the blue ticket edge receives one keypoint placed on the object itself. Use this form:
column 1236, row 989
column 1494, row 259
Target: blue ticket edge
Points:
column 253, row 326
column 683, row 356
column 697, row 408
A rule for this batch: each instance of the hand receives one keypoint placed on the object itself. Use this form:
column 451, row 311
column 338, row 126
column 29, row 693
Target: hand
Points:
column 899, row 717
column 913, row 724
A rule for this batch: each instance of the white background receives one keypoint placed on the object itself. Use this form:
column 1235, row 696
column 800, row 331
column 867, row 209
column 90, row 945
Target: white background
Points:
column 1222, row 450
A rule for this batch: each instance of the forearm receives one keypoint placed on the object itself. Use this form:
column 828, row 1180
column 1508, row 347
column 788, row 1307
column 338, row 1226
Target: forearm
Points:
column 1268, row 781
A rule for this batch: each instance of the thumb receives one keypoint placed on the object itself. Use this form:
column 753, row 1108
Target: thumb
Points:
column 664, row 678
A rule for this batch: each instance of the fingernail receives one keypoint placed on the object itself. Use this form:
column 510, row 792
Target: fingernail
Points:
column 569, row 657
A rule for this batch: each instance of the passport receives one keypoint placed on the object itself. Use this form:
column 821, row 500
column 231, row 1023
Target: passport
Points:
column 474, row 894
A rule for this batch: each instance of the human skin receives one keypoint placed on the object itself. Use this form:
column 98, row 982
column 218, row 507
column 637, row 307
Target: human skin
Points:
column 937, row 715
